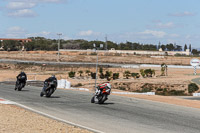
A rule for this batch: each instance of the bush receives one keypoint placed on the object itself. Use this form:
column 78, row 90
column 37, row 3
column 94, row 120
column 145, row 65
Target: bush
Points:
column 115, row 76
column 149, row 72
column 78, row 85
column 142, row 72
column 127, row 74
column 167, row 92
column 71, row 74
column 88, row 72
column 108, row 75
column 192, row 87
column 135, row 75
column 93, row 75
column 122, row 88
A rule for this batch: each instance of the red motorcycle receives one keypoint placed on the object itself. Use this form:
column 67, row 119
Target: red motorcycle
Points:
column 101, row 94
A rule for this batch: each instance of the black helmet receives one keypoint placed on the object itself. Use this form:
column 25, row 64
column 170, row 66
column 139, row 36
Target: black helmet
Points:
column 22, row 72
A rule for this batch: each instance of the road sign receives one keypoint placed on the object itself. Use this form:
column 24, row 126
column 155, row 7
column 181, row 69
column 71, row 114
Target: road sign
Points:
column 195, row 62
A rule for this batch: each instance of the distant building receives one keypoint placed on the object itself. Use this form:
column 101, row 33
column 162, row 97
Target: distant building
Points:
column 143, row 52
column 14, row 39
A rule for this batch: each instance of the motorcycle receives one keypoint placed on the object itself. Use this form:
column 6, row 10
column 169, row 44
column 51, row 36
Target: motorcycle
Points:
column 49, row 88
column 20, row 83
column 101, row 93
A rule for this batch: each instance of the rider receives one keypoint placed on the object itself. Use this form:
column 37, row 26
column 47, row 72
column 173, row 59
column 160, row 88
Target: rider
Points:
column 105, row 85
column 48, row 80
column 21, row 77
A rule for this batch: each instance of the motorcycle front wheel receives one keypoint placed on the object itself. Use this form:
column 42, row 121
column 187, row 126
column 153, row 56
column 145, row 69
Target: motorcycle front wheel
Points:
column 20, row 86
column 92, row 100
column 41, row 94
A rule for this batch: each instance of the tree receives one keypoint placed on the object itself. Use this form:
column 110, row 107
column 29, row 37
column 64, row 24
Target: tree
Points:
column 159, row 45
column 11, row 45
column 178, row 48
column 170, row 47
column 163, row 47
column 195, row 52
column 185, row 47
column 190, row 47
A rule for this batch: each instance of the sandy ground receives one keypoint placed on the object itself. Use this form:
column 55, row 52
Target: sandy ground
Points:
column 16, row 119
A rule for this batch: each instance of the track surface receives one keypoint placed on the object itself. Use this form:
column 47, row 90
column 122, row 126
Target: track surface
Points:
column 118, row 115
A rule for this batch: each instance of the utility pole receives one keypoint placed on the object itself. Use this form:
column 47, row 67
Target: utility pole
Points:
column 106, row 47
column 59, row 34
column 96, row 50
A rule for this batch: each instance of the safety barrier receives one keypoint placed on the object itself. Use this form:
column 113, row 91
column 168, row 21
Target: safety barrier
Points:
column 63, row 83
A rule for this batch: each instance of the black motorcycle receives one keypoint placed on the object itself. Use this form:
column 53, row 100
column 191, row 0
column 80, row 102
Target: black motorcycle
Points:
column 49, row 88
column 20, row 83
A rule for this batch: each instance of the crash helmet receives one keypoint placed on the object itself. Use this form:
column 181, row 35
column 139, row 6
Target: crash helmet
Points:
column 22, row 72
column 53, row 76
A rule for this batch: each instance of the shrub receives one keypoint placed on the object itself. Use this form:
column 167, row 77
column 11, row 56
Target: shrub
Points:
column 88, row 72
column 149, row 72
column 93, row 75
column 122, row 88
column 93, row 53
column 192, row 87
column 80, row 72
column 102, row 76
column 142, row 72
column 127, row 74
column 71, row 74
column 115, row 76
column 108, row 75
column 77, row 85
column 167, row 92
column 135, row 75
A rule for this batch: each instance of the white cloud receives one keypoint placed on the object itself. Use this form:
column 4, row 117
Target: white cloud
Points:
column 157, row 34
column 20, row 5
column 85, row 33
column 42, row 34
column 166, row 25
column 15, row 32
column 88, row 33
column 23, row 8
column 182, row 14
column 22, row 13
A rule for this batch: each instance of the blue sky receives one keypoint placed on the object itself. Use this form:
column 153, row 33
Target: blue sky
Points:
column 144, row 21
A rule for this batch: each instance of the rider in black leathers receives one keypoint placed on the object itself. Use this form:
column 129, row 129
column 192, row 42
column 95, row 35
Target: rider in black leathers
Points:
column 49, row 80
column 20, row 79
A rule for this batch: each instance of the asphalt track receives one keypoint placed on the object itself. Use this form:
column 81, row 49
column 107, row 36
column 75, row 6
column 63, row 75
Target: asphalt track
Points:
column 117, row 115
